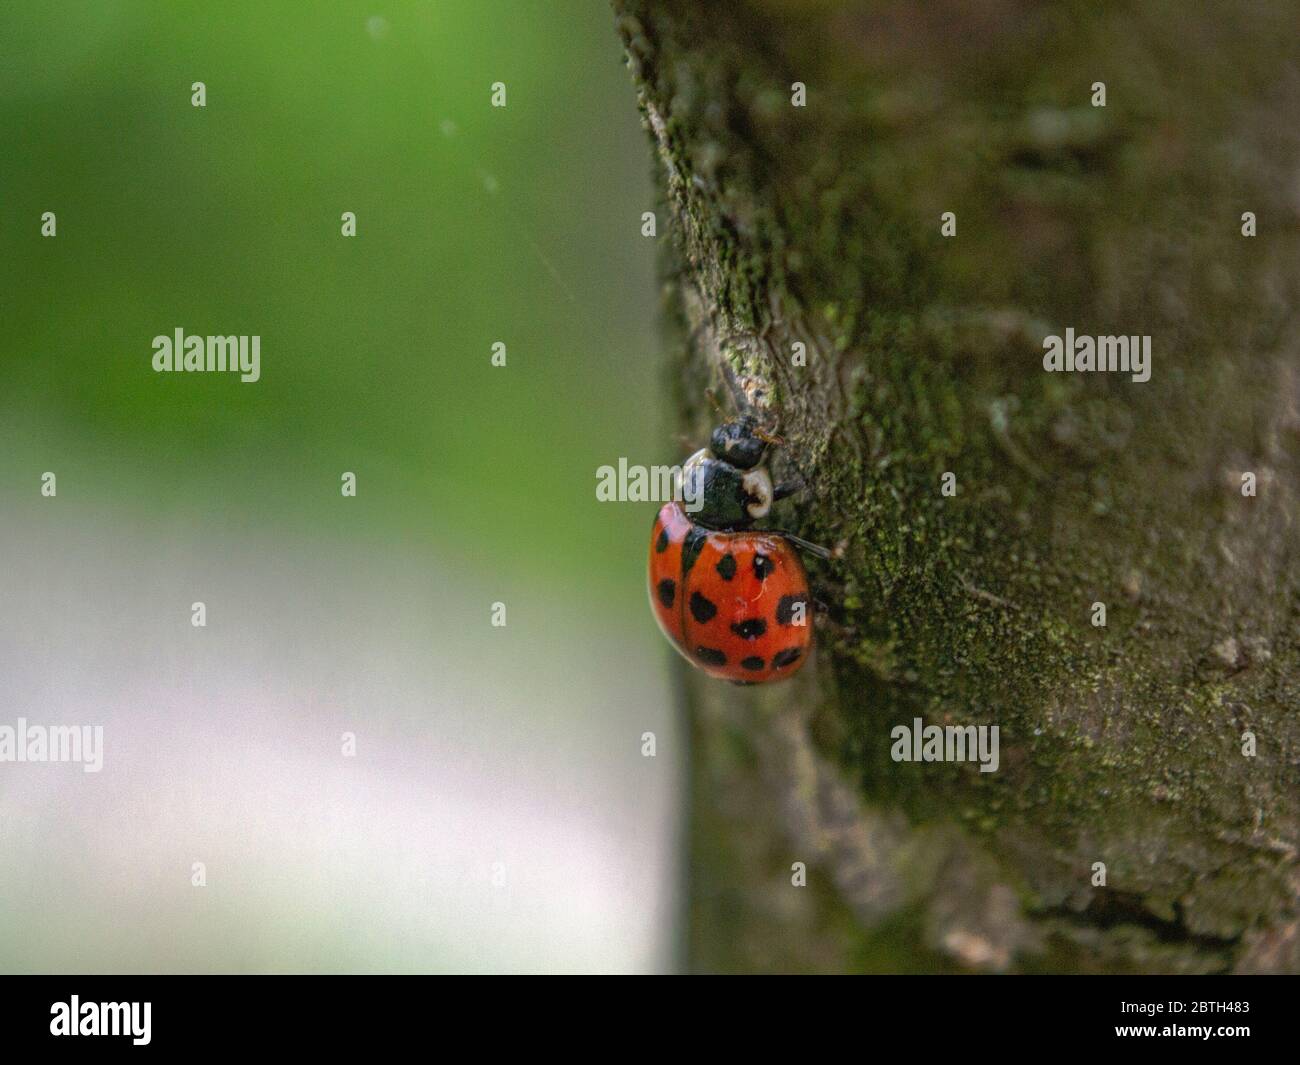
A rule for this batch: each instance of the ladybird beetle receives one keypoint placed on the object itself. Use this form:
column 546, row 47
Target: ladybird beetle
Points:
column 732, row 599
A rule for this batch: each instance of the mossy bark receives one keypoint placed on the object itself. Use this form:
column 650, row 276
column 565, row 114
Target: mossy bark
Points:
column 820, row 225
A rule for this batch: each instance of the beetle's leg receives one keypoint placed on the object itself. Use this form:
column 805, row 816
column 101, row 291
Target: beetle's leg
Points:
column 826, row 622
column 799, row 541
column 813, row 549
column 788, row 488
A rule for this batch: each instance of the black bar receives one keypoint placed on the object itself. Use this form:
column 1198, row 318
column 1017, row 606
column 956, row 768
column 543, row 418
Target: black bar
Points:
column 339, row 1014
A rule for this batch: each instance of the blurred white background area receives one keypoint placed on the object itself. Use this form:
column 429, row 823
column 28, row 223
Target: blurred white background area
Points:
column 498, row 813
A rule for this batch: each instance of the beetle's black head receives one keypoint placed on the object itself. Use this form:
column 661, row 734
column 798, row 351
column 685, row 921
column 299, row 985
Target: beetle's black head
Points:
column 726, row 484
column 737, row 442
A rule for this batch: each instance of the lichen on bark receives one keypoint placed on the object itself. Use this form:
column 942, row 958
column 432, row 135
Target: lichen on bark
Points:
column 820, row 225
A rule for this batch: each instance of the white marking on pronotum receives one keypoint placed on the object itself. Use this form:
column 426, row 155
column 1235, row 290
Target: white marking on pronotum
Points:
column 758, row 486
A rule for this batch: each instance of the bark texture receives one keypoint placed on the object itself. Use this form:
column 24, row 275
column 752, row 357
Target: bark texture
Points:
column 820, row 225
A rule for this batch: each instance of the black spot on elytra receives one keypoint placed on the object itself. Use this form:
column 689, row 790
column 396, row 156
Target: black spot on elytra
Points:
column 727, row 567
column 711, row 656
column 753, row 663
column 662, row 543
column 787, row 657
column 750, row 628
column 702, row 609
column 667, row 591
column 762, row 566
column 785, row 609
column 691, row 548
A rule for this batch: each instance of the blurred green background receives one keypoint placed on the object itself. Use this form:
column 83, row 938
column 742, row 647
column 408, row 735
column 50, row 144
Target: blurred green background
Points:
column 475, row 485
column 474, row 225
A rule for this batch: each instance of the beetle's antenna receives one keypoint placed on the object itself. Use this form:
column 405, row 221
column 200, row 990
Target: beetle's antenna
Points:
column 743, row 406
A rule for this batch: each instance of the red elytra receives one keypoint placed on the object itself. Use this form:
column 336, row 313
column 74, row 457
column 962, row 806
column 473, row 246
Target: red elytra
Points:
column 735, row 604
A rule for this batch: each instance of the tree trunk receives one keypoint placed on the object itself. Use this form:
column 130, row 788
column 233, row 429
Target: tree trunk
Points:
column 1127, row 743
